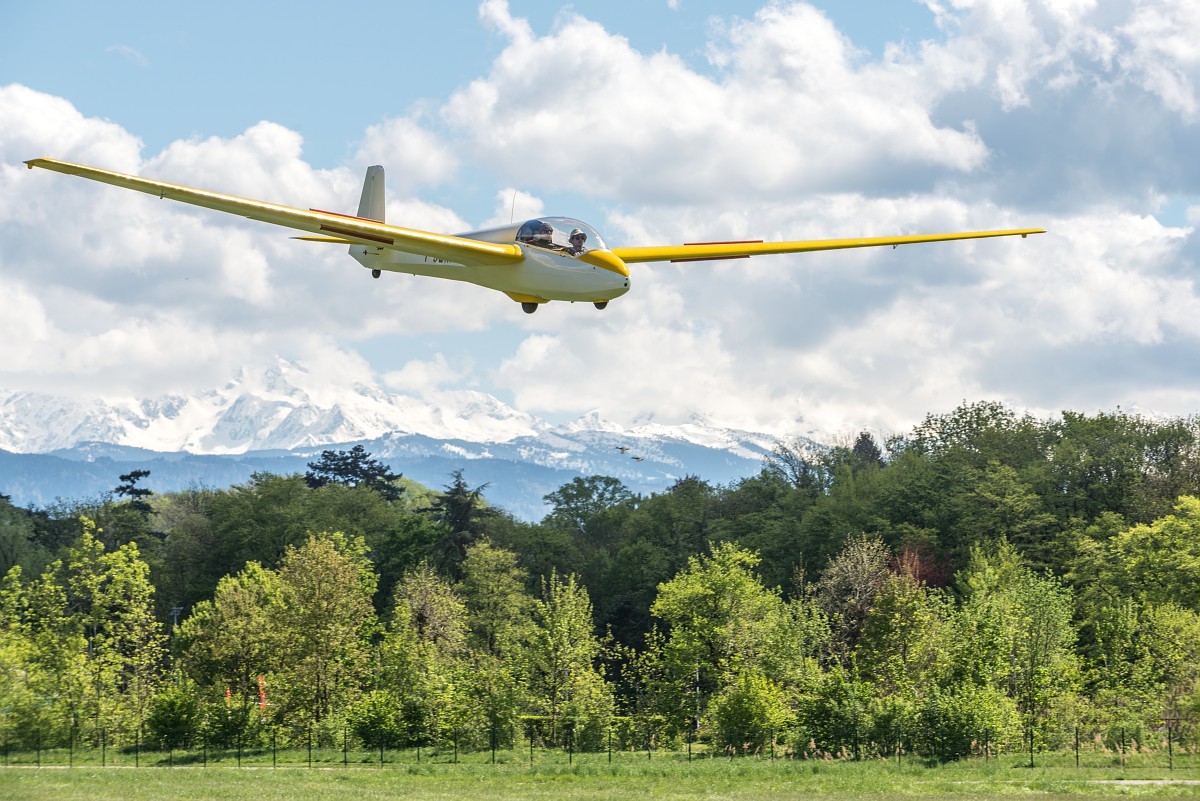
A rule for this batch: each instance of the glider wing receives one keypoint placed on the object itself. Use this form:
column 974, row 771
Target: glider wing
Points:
column 324, row 225
column 706, row 251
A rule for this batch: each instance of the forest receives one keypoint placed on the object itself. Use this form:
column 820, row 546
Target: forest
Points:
column 985, row 574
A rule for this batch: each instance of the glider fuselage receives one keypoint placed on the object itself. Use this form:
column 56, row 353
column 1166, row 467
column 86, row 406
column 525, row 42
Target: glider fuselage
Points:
column 547, row 272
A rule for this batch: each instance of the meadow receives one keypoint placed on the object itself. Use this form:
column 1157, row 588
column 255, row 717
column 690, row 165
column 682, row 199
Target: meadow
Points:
column 557, row 775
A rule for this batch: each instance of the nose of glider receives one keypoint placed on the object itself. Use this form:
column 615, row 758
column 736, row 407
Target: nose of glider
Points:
column 606, row 260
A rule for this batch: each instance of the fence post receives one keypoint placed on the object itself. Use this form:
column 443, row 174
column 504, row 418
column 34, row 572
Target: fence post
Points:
column 649, row 743
column 37, row 746
column 103, row 747
column 1031, row 744
column 71, row 747
column 531, row 743
column 493, row 742
column 239, row 749
column 310, row 746
column 609, row 745
column 571, row 745
column 274, row 734
column 455, row 745
column 1170, row 753
column 381, row 748
column 1076, row 745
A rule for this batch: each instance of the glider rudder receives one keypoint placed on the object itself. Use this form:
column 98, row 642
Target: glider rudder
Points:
column 371, row 204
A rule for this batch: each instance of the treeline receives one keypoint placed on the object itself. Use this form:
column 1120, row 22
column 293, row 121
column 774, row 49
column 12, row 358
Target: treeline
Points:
column 987, row 574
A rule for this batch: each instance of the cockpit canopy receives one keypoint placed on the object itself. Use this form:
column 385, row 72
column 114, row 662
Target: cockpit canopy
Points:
column 560, row 234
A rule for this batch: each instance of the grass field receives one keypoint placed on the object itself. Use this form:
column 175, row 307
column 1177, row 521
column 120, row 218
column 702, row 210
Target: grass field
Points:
column 592, row 777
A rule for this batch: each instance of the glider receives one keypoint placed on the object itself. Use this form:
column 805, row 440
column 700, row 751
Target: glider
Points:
column 533, row 262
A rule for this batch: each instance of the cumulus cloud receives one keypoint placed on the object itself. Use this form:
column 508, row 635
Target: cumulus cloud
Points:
column 790, row 107
column 1075, row 115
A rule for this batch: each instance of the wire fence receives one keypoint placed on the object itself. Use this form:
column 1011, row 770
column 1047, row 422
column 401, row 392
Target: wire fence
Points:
column 1171, row 746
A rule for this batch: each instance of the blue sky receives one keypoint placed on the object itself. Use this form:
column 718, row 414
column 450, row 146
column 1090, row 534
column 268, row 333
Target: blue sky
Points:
column 658, row 122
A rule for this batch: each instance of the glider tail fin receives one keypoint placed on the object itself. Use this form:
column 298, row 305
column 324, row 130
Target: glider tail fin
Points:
column 371, row 204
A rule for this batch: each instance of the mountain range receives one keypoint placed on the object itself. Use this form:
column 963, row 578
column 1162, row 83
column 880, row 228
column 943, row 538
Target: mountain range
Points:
column 280, row 418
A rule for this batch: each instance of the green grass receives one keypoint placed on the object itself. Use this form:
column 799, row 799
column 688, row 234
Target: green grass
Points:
column 589, row 777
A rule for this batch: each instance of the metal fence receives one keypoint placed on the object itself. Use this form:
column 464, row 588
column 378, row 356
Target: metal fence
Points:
column 1171, row 746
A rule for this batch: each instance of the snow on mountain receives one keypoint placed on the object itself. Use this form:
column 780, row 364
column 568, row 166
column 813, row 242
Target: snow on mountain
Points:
column 280, row 408
column 284, row 413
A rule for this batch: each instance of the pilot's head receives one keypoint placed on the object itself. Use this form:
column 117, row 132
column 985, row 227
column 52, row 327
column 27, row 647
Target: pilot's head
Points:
column 578, row 237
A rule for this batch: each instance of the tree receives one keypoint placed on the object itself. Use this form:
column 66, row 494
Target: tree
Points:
column 1160, row 562
column 18, row 545
column 327, row 619
column 422, row 653
column 866, row 452
column 720, row 621
column 353, row 468
column 848, row 586
column 461, row 512
column 1015, row 632
column 136, row 495
column 230, row 640
column 800, row 463
column 577, row 503
column 498, row 608
column 564, row 681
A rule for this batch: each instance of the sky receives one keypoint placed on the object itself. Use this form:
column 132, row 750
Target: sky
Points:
column 657, row 122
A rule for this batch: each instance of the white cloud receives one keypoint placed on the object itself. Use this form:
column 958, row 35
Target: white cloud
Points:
column 130, row 53
column 1075, row 115
column 789, row 109
column 422, row 376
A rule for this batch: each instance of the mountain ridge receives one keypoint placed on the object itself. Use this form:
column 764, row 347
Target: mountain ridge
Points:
column 279, row 418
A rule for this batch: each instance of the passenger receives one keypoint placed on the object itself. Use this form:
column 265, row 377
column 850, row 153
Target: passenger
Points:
column 578, row 238
column 536, row 232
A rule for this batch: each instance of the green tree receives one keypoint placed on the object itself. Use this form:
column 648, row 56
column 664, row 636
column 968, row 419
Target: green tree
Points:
column 353, row 468
column 720, row 621
column 848, row 587
column 1015, row 632
column 231, row 640
column 563, row 657
column 137, row 496
column 499, row 611
column 327, row 619
column 462, row 513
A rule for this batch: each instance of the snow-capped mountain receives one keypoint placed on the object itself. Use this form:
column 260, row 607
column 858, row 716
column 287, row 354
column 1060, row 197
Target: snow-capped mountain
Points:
column 281, row 407
column 280, row 418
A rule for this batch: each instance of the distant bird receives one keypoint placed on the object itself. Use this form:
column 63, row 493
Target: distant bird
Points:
column 638, row 458
column 622, row 448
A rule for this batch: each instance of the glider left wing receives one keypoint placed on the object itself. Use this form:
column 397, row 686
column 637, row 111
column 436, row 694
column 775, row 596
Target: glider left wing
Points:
column 326, row 226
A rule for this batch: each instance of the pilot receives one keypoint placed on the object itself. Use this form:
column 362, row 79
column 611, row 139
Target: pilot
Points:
column 578, row 237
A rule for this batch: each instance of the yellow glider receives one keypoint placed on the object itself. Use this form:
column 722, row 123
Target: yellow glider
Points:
column 533, row 262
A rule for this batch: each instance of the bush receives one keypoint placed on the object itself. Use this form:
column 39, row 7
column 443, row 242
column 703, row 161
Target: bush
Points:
column 377, row 720
column 954, row 722
column 750, row 713
column 834, row 716
column 175, row 716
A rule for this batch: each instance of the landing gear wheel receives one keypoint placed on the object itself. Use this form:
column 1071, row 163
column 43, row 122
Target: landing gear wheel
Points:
column 599, row 304
column 376, row 273
column 529, row 308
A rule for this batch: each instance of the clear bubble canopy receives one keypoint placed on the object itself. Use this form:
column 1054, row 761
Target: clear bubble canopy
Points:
column 561, row 234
